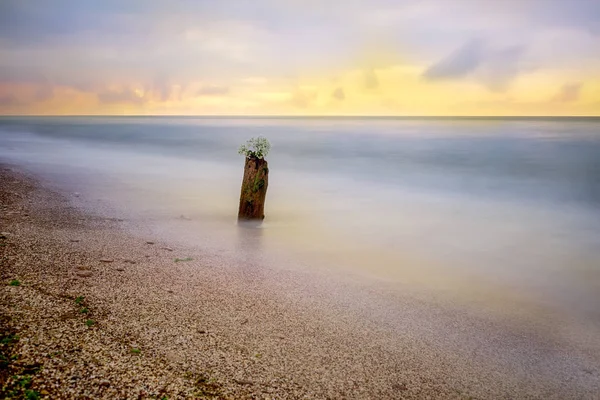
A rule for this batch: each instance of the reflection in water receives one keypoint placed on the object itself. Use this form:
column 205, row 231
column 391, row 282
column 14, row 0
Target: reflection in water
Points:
column 250, row 245
column 249, row 235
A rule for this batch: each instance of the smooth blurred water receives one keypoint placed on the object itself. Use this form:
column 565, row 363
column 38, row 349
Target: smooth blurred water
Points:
column 449, row 204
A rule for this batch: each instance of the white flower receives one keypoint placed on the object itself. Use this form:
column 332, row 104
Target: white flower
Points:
column 255, row 148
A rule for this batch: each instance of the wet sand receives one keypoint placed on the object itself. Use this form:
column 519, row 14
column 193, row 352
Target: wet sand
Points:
column 155, row 319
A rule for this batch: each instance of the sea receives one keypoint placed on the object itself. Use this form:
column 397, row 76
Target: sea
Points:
column 455, row 207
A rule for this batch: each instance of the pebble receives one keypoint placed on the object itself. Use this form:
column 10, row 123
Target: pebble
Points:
column 106, row 260
column 84, row 274
column 173, row 357
column 149, row 242
column 243, row 382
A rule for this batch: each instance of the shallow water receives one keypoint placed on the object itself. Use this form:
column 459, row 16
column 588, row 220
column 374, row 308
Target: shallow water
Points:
column 493, row 209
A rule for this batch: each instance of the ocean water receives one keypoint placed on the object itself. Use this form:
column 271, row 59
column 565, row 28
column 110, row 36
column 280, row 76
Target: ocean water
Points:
column 461, row 207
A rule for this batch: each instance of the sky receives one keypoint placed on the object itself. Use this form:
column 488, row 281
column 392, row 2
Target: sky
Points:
column 300, row 57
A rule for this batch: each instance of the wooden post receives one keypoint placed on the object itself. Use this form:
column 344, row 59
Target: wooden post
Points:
column 254, row 189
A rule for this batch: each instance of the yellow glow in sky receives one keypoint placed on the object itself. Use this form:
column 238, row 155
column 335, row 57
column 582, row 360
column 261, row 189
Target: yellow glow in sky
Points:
column 383, row 57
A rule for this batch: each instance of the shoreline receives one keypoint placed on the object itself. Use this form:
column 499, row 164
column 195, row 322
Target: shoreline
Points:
column 169, row 322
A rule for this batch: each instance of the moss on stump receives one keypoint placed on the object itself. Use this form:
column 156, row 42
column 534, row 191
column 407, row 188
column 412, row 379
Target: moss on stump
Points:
column 254, row 189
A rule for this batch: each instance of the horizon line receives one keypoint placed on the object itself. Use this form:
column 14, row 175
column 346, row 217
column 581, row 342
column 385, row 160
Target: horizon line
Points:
column 297, row 116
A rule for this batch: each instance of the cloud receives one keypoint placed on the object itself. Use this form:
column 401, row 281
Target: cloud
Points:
column 302, row 99
column 255, row 80
column 25, row 22
column 161, row 87
column 371, row 81
column 29, row 71
column 570, row 92
column 125, row 95
column 460, row 63
column 213, row 90
column 500, row 67
column 44, row 92
column 338, row 94
column 168, row 49
column 9, row 100
column 493, row 66
column 582, row 14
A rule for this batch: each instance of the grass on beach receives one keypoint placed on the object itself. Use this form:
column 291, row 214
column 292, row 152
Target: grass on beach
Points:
column 16, row 376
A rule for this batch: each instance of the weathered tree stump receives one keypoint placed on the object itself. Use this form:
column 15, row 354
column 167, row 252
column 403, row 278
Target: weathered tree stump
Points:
column 254, row 189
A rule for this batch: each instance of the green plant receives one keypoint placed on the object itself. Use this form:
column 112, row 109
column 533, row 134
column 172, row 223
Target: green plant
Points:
column 24, row 382
column 9, row 339
column 4, row 362
column 15, row 282
column 89, row 322
column 183, row 259
column 135, row 350
column 206, row 387
column 79, row 300
column 31, row 369
column 257, row 147
column 84, row 310
column 32, row 395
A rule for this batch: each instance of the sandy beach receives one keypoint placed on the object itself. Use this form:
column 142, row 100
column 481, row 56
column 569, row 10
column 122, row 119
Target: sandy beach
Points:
column 91, row 310
column 382, row 199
